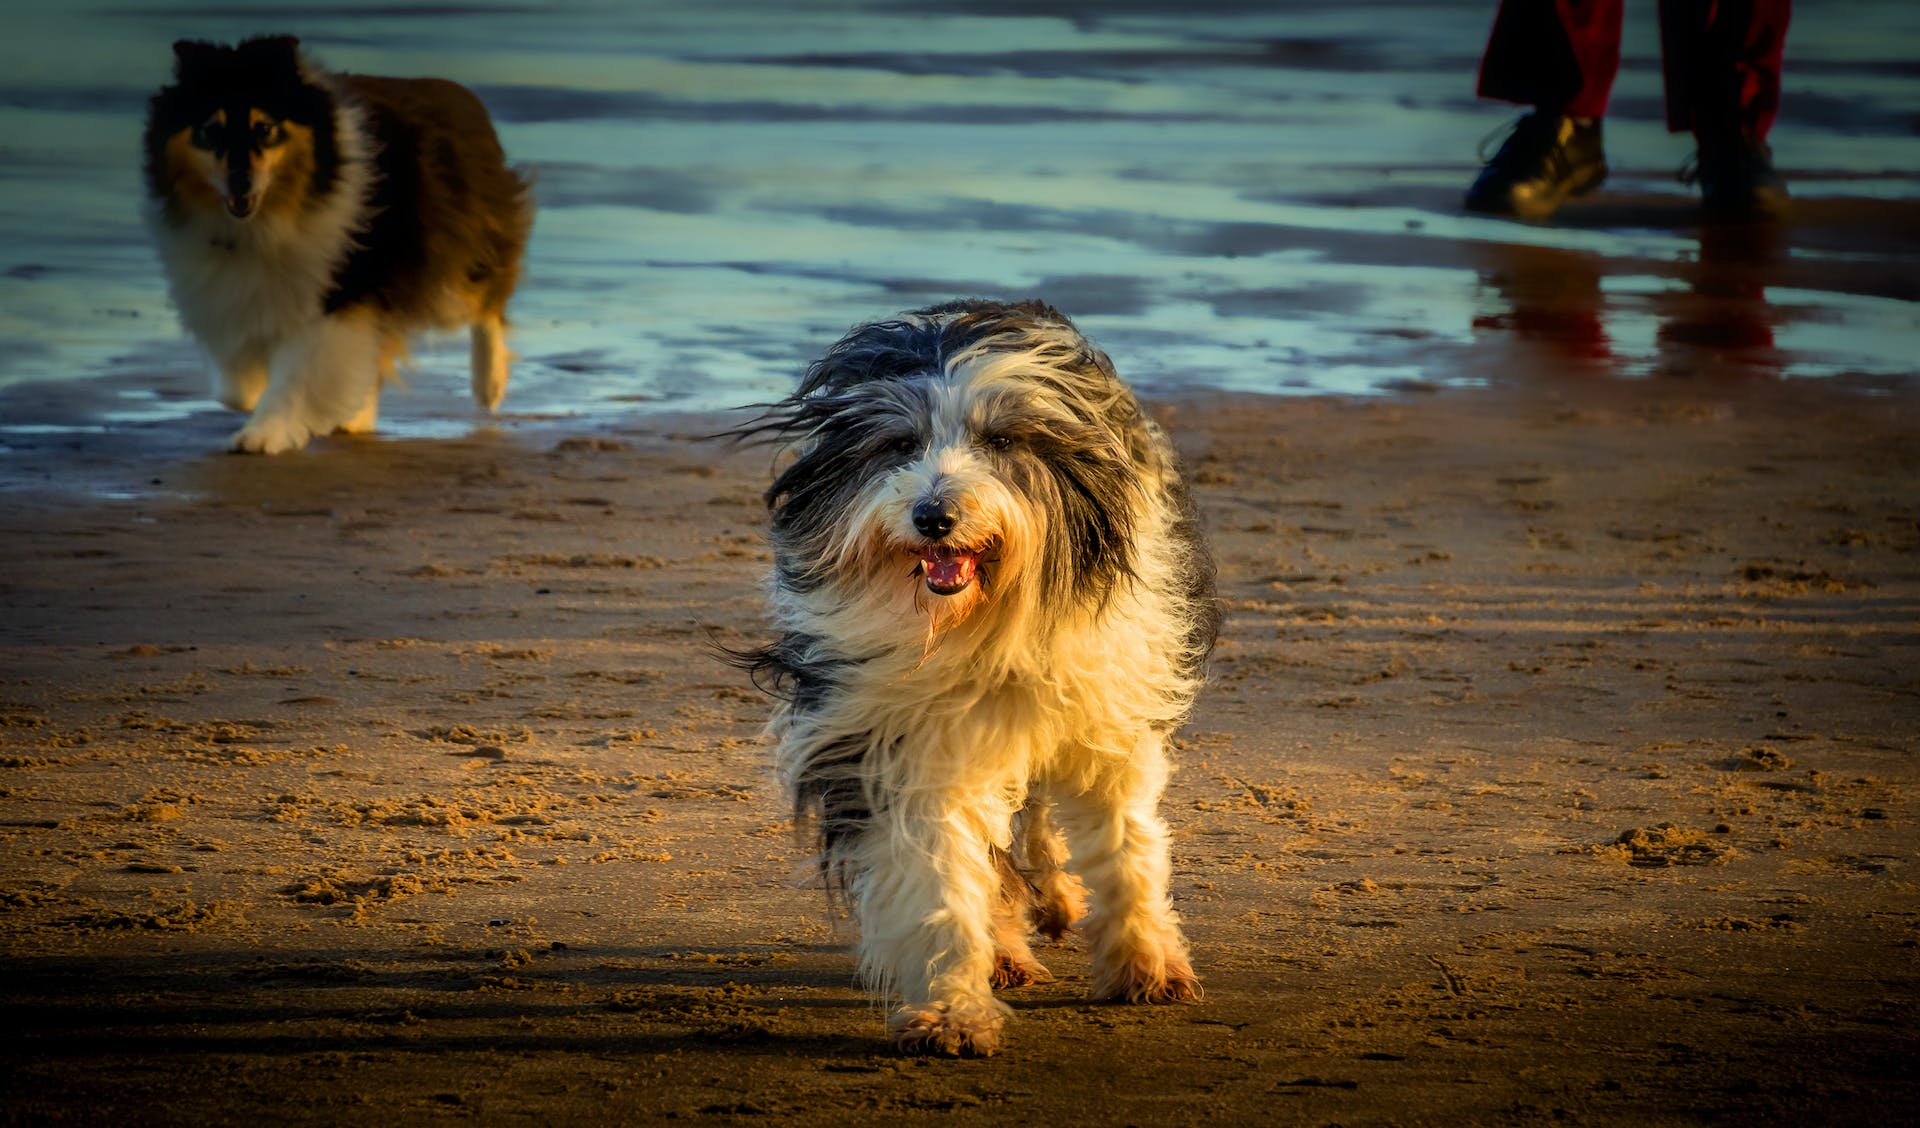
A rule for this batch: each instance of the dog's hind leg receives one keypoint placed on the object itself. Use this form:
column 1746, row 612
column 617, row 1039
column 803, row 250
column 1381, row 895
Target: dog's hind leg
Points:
column 925, row 890
column 1041, row 852
column 318, row 380
column 1119, row 845
column 490, row 360
column 1014, row 964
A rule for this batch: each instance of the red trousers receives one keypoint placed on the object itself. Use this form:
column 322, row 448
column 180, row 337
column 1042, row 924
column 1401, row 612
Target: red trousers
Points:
column 1720, row 59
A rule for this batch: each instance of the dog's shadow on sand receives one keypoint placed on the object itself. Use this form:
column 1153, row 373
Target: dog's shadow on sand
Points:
column 625, row 1001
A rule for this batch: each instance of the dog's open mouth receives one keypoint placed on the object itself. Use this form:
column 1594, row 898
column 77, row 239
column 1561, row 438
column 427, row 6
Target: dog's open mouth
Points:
column 949, row 569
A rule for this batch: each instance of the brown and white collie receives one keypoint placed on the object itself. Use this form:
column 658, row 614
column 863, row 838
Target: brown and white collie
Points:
column 310, row 221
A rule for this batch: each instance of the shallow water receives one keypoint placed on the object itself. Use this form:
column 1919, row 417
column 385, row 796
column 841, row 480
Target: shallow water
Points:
column 1251, row 197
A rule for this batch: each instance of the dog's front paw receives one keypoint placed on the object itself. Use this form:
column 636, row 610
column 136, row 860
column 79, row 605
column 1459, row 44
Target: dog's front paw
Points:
column 953, row 1029
column 1145, row 978
column 1010, row 970
column 275, row 434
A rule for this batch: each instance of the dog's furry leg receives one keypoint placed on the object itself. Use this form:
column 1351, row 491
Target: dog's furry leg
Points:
column 924, row 893
column 1119, row 845
column 1042, row 854
column 367, row 418
column 490, row 358
column 1013, row 962
column 318, row 380
column 242, row 378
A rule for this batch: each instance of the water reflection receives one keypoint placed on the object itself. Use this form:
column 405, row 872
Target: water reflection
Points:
column 1225, row 196
column 1703, row 315
column 1722, row 318
column 1548, row 297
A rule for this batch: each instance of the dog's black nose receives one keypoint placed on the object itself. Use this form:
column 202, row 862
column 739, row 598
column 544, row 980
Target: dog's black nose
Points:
column 935, row 517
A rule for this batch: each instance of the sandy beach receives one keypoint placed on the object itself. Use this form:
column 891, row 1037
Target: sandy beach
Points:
column 1558, row 763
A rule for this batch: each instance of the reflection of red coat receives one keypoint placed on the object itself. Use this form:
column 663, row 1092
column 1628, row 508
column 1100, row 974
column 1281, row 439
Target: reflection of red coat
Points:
column 1721, row 58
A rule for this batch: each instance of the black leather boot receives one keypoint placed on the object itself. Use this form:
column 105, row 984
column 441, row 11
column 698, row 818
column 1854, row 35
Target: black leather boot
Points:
column 1547, row 159
column 1736, row 176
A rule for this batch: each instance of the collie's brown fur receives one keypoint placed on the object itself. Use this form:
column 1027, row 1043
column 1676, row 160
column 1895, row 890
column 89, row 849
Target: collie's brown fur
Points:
column 441, row 164
column 310, row 222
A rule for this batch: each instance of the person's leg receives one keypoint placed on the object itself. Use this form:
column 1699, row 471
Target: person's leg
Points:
column 1721, row 60
column 1561, row 59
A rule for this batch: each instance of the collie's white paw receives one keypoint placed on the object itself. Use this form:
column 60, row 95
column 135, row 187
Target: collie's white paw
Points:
column 960, row 1029
column 276, row 434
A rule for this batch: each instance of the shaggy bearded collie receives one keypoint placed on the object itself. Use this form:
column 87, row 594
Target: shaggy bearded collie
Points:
column 309, row 222
column 995, row 606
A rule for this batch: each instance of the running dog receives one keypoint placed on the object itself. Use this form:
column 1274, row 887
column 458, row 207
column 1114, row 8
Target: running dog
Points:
column 310, row 222
column 995, row 605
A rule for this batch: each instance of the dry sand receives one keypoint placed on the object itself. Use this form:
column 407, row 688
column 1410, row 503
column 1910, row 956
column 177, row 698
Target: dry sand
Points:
column 1558, row 763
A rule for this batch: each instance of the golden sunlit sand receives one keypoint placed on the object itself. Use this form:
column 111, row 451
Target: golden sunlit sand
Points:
column 1558, row 761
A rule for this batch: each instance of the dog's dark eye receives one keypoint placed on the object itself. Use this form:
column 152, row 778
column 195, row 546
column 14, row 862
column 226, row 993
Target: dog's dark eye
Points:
column 905, row 445
column 267, row 134
column 999, row 442
column 202, row 136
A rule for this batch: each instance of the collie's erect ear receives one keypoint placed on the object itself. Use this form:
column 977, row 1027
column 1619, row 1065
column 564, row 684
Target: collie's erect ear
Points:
column 190, row 55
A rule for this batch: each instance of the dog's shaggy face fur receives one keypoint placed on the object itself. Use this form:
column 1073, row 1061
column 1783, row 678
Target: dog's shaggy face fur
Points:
column 995, row 605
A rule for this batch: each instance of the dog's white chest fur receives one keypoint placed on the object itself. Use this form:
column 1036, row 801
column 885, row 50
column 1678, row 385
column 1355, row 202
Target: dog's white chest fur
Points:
column 240, row 291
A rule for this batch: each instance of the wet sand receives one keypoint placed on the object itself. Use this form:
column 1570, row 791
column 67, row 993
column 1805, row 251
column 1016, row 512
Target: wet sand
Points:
column 1558, row 763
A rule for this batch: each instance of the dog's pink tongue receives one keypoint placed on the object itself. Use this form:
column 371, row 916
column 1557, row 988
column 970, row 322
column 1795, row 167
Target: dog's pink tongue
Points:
column 948, row 570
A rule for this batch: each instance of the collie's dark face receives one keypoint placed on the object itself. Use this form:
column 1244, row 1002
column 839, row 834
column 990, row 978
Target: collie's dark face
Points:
column 240, row 131
column 954, row 455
